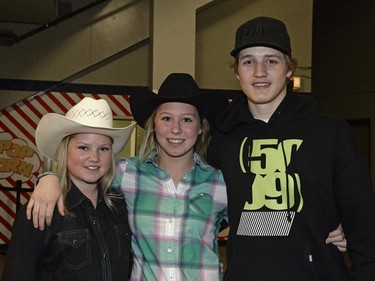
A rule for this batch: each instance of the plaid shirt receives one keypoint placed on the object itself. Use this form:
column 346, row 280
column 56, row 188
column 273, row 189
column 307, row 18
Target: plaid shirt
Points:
column 174, row 229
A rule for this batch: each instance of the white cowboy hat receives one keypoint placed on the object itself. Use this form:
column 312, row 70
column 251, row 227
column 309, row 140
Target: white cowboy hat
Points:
column 88, row 116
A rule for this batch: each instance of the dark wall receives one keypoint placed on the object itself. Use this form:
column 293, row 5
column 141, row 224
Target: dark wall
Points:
column 343, row 52
column 343, row 66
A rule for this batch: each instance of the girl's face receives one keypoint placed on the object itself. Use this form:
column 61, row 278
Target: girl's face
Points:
column 177, row 126
column 262, row 73
column 89, row 158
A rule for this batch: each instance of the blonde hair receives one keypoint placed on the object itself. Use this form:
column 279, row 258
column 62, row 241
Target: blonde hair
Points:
column 150, row 144
column 60, row 167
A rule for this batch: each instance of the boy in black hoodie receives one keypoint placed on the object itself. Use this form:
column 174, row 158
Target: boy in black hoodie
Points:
column 292, row 174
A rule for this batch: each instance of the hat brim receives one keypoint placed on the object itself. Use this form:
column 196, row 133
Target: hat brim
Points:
column 235, row 51
column 144, row 102
column 53, row 127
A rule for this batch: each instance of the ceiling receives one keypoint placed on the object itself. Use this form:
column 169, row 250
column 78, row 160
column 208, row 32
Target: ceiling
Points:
column 20, row 19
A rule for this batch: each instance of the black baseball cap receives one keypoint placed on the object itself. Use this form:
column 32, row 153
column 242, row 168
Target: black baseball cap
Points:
column 262, row 31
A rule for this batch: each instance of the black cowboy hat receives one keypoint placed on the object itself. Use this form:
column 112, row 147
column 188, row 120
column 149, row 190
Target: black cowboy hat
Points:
column 177, row 87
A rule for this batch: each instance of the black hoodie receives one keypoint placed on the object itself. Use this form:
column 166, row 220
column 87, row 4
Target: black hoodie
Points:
column 290, row 182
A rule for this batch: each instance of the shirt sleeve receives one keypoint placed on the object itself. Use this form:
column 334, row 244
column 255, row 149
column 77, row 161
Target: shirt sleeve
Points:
column 25, row 250
column 120, row 170
column 356, row 200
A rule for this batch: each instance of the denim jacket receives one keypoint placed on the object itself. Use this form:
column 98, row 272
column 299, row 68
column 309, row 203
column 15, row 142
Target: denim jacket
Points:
column 91, row 244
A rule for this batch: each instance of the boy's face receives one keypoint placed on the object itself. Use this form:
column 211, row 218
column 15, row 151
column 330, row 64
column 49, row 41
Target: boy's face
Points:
column 262, row 73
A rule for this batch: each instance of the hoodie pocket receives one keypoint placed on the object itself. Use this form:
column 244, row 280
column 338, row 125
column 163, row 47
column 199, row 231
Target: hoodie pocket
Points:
column 272, row 264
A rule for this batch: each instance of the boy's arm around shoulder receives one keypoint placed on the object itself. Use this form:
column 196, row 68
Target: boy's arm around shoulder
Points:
column 355, row 198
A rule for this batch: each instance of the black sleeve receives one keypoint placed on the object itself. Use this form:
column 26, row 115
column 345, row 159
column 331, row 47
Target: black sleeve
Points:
column 25, row 250
column 213, row 153
column 356, row 200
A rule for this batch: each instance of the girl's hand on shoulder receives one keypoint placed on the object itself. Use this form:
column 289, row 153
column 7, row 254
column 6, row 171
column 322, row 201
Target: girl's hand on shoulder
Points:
column 43, row 200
